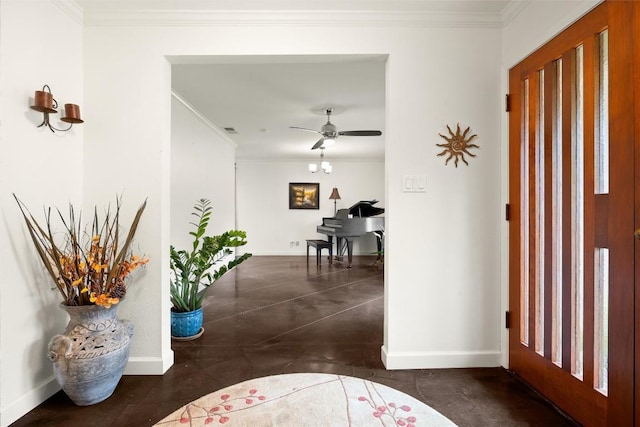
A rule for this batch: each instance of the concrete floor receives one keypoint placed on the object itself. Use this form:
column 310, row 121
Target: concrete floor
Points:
column 275, row 315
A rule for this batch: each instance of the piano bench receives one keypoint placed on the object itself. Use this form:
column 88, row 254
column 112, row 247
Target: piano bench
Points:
column 319, row 245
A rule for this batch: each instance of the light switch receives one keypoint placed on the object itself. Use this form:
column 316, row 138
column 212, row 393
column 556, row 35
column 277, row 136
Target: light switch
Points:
column 408, row 183
column 414, row 183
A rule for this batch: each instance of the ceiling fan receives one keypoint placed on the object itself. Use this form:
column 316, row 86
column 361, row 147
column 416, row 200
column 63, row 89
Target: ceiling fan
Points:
column 330, row 133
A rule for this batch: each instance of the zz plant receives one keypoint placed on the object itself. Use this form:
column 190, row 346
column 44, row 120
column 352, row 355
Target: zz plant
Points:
column 192, row 271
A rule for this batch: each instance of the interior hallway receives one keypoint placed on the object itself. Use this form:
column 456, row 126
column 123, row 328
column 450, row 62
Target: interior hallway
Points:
column 277, row 315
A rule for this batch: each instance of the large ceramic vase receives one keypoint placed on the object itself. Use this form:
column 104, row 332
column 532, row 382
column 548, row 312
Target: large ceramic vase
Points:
column 90, row 357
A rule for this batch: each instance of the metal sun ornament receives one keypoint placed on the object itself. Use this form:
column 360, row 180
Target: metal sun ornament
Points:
column 457, row 145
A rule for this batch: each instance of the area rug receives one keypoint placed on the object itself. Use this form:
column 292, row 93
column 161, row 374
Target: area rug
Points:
column 307, row 400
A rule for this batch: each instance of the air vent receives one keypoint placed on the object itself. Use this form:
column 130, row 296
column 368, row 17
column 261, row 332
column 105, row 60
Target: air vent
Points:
column 231, row 130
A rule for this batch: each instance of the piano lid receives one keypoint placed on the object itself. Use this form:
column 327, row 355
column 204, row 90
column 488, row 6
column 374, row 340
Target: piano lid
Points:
column 365, row 208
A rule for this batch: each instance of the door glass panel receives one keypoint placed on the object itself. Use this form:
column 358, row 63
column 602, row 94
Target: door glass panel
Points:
column 524, row 227
column 556, row 212
column 577, row 223
column 602, row 117
column 601, row 264
column 539, row 211
column 601, row 317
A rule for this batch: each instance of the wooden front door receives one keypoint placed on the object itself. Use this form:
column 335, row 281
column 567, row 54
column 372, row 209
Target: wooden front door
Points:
column 572, row 128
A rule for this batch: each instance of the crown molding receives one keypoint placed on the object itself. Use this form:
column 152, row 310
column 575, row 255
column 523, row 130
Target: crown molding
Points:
column 320, row 18
column 71, row 8
column 512, row 10
column 203, row 119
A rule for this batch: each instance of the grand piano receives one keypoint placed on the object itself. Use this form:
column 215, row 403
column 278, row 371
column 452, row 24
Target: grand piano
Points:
column 352, row 223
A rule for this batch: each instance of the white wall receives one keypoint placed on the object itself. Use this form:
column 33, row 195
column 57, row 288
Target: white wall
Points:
column 202, row 166
column 39, row 44
column 263, row 202
column 443, row 248
column 130, row 138
column 441, row 261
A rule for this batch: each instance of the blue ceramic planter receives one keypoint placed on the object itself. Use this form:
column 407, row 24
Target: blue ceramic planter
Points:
column 187, row 324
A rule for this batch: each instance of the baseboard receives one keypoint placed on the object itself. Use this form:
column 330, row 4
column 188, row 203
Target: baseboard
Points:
column 28, row 401
column 440, row 359
column 149, row 365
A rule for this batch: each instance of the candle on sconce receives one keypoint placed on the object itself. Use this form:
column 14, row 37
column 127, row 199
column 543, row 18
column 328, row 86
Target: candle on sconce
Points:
column 43, row 102
column 72, row 114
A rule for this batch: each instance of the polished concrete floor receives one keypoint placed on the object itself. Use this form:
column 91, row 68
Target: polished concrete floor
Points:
column 277, row 315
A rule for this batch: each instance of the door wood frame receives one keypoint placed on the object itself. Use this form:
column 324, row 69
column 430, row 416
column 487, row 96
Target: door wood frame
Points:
column 612, row 219
column 635, row 13
column 621, row 212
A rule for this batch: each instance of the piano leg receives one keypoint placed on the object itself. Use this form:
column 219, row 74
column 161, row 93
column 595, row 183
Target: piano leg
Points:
column 330, row 239
column 340, row 247
column 379, row 240
column 349, row 251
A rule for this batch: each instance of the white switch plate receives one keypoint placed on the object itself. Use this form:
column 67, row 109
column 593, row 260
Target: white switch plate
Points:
column 414, row 183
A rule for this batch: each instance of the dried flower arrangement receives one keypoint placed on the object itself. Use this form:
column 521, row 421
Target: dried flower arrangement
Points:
column 86, row 267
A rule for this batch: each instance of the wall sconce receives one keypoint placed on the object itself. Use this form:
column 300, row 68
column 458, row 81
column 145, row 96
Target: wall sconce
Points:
column 324, row 165
column 46, row 104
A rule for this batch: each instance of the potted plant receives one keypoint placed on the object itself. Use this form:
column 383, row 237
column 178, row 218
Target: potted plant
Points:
column 193, row 272
column 90, row 268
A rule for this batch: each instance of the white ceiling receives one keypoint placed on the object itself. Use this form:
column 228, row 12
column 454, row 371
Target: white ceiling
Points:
column 262, row 96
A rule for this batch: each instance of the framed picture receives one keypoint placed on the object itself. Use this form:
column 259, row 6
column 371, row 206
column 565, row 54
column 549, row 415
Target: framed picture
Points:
column 304, row 195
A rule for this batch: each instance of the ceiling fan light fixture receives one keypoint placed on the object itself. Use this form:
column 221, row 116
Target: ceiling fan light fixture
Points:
column 329, row 133
column 324, row 165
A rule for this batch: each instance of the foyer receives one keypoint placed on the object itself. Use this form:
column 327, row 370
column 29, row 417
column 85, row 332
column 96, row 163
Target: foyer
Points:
column 276, row 315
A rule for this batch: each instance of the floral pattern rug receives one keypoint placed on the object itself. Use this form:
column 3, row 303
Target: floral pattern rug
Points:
column 307, row 400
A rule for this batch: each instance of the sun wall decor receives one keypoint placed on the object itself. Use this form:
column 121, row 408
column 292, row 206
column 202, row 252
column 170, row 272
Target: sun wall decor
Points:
column 457, row 145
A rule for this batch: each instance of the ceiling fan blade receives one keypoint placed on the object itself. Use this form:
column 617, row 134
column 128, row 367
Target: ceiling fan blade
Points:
column 318, row 144
column 305, row 129
column 360, row 133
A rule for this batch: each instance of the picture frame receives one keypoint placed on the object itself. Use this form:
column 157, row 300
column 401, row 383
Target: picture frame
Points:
column 304, row 195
